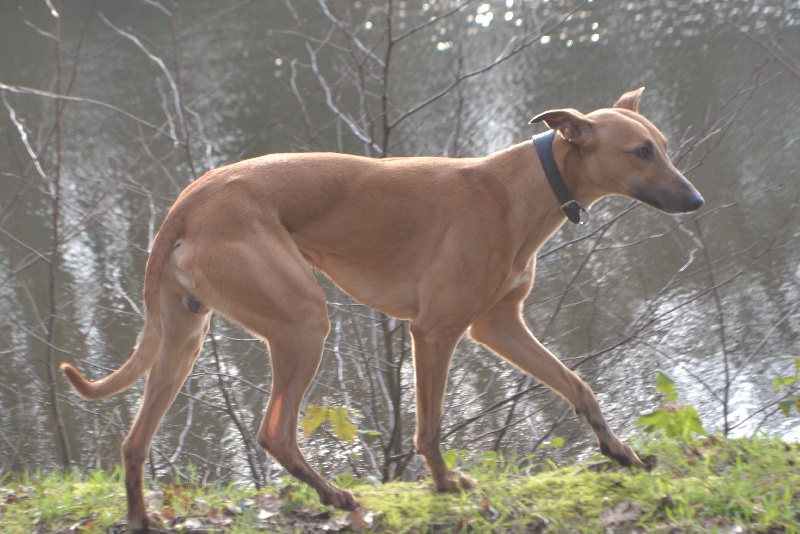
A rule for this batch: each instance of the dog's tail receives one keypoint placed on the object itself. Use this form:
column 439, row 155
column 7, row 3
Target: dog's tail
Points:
column 149, row 344
column 137, row 365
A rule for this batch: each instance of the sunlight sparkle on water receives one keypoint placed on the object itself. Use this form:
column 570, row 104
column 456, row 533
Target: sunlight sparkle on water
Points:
column 484, row 16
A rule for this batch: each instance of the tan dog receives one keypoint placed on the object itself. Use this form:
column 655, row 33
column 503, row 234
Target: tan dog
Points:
column 448, row 244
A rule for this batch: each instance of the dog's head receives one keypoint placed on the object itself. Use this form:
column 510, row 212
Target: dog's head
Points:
column 621, row 152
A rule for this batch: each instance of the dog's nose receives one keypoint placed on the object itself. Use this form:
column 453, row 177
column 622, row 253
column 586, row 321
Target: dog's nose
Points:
column 694, row 202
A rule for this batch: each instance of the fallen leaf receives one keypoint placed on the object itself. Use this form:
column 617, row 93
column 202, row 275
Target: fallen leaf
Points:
column 464, row 525
column 153, row 498
column 285, row 491
column 265, row 514
column 232, row 509
column 245, row 503
column 622, row 513
column 220, row 520
column 268, row 505
column 732, row 529
column 537, row 524
column 666, row 502
column 190, row 525
column 82, row 526
column 533, row 523
column 359, row 520
column 318, row 516
column 363, row 520
column 487, row 511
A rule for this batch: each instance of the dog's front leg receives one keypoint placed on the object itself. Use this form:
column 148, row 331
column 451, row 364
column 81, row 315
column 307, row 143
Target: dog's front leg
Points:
column 503, row 330
column 433, row 350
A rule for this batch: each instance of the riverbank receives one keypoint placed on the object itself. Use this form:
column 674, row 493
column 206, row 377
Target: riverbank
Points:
column 713, row 485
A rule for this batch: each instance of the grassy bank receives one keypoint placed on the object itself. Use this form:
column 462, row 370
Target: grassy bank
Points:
column 716, row 485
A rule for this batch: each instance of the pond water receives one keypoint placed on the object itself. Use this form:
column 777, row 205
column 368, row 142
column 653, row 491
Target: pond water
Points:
column 110, row 109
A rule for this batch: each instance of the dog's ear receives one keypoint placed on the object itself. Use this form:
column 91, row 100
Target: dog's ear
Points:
column 630, row 100
column 571, row 124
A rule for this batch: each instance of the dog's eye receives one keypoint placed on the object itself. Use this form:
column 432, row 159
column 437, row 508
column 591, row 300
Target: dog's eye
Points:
column 644, row 152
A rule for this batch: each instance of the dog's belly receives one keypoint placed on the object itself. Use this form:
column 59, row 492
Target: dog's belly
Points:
column 396, row 296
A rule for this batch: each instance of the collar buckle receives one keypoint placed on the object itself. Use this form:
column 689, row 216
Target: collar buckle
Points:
column 575, row 212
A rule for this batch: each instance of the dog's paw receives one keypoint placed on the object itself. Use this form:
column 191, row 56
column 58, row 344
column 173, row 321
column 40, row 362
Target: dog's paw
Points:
column 467, row 482
column 622, row 454
column 152, row 522
column 341, row 499
column 454, row 482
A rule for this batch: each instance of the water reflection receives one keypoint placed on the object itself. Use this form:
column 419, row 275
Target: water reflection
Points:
column 633, row 294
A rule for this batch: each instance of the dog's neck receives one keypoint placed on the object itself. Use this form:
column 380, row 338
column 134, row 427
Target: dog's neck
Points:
column 570, row 162
column 519, row 170
column 569, row 206
column 541, row 215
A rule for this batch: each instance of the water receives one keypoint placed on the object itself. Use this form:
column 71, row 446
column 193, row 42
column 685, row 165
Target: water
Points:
column 159, row 94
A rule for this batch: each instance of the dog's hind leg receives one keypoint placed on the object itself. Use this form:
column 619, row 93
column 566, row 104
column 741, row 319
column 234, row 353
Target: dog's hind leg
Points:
column 182, row 337
column 272, row 292
column 295, row 357
column 503, row 330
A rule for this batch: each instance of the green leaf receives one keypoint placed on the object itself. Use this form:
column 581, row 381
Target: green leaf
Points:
column 786, row 405
column 666, row 385
column 489, row 457
column 653, row 421
column 778, row 383
column 557, row 442
column 450, row 456
column 652, row 418
column 338, row 417
column 342, row 427
column 314, row 417
column 691, row 423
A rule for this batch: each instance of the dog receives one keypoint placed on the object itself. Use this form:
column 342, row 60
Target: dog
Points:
column 448, row 244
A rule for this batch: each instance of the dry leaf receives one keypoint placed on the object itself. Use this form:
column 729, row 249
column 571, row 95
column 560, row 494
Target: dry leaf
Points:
column 285, row 491
column 268, row 505
column 190, row 525
column 232, row 510
column 622, row 513
column 487, row 511
column 359, row 520
column 153, row 498
column 82, row 526
column 221, row 520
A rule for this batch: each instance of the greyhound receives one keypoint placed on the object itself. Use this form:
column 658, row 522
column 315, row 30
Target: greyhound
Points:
column 448, row 244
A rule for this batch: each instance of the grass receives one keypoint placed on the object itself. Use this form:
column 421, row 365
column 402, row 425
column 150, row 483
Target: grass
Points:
column 714, row 485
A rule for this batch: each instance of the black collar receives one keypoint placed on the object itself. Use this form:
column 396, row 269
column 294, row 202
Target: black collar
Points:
column 544, row 146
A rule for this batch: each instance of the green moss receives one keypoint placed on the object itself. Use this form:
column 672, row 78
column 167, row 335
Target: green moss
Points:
column 53, row 502
column 703, row 486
